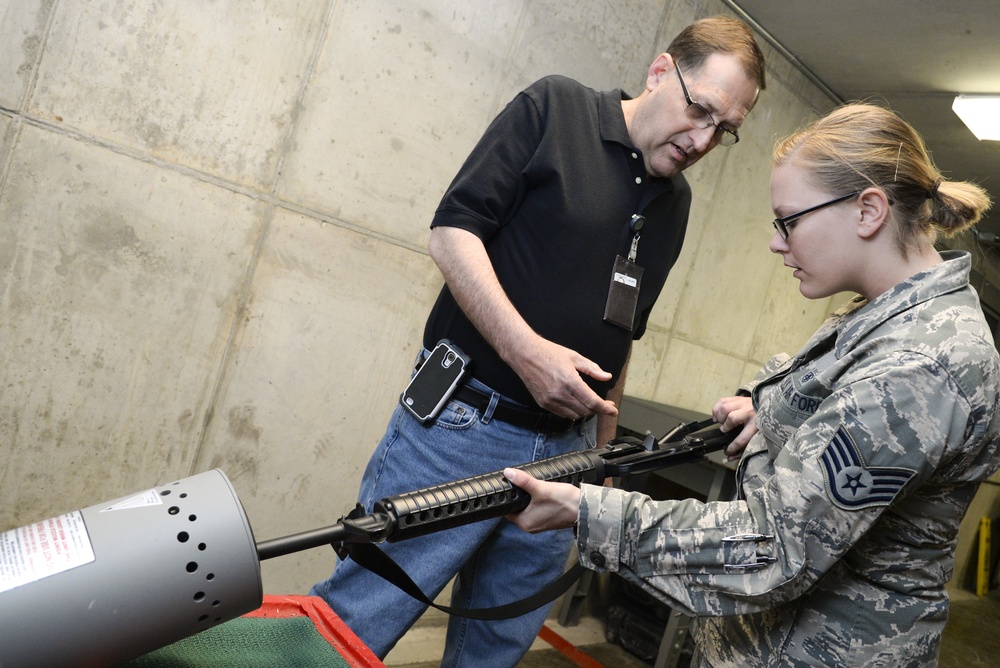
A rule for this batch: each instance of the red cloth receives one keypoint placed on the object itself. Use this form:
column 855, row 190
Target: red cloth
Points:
column 327, row 623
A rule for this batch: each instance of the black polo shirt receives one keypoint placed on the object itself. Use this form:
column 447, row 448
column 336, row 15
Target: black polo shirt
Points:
column 550, row 189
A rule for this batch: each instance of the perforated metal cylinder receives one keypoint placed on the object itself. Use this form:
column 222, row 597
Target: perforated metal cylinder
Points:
column 117, row 580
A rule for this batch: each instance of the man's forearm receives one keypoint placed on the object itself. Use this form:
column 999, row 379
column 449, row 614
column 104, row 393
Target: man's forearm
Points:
column 551, row 372
column 466, row 267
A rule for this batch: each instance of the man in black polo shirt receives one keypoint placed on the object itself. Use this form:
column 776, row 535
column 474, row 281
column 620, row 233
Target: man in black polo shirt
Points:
column 554, row 240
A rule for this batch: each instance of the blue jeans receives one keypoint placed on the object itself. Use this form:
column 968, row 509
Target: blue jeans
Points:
column 495, row 562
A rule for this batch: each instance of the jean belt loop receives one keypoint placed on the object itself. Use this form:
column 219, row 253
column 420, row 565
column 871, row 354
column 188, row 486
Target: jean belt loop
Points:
column 488, row 413
column 421, row 358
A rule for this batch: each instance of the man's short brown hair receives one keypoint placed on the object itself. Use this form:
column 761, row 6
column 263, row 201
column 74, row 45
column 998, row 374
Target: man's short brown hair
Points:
column 719, row 34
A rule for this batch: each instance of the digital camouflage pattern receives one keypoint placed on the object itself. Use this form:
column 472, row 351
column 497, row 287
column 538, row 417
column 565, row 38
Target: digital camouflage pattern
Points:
column 873, row 440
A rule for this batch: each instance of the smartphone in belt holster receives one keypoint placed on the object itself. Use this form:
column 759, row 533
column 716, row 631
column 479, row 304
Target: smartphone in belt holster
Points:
column 435, row 381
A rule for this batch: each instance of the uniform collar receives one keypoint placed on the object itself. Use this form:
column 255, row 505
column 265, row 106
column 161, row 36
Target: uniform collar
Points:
column 860, row 317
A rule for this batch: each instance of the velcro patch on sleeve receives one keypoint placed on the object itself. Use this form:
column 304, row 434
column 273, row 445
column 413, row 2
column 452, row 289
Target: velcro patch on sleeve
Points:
column 853, row 486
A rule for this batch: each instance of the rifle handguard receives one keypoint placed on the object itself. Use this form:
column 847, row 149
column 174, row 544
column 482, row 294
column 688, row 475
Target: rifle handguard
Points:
column 483, row 496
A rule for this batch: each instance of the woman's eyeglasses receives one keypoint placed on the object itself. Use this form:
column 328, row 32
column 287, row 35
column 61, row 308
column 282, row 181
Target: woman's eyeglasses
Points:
column 785, row 223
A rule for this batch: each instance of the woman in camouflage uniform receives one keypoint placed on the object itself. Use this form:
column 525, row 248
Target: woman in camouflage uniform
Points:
column 865, row 448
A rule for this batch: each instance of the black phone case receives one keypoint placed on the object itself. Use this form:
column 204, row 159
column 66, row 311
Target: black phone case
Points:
column 435, row 381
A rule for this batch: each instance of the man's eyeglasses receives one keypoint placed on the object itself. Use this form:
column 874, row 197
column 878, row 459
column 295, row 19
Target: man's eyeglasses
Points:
column 784, row 224
column 701, row 116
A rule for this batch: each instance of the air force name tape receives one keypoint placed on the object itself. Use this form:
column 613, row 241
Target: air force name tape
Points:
column 853, row 486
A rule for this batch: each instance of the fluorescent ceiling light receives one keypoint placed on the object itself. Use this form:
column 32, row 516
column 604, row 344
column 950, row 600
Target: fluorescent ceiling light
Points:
column 981, row 113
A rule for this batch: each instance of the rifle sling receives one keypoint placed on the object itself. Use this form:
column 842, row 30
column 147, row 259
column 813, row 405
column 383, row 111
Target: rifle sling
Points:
column 378, row 562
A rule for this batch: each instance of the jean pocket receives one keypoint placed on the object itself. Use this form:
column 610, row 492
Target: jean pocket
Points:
column 456, row 415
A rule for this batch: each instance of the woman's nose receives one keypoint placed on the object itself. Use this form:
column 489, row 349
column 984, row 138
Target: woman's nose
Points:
column 779, row 244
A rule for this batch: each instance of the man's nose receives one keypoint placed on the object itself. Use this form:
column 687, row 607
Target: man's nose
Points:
column 703, row 138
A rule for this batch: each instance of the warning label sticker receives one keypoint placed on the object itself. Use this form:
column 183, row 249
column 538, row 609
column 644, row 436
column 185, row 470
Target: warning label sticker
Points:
column 42, row 549
column 147, row 498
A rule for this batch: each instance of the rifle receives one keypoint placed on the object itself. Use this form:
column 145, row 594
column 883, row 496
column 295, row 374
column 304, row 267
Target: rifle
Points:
column 491, row 495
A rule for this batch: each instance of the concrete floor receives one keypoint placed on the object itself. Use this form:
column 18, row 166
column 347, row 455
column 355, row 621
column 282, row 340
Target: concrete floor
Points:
column 971, row 640
column 972, row 637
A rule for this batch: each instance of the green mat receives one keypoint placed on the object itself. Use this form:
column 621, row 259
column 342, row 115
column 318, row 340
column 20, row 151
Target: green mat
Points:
column 248, row 643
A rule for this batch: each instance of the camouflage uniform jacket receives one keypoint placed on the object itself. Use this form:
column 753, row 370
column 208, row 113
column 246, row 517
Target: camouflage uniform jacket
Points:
column 872, row 442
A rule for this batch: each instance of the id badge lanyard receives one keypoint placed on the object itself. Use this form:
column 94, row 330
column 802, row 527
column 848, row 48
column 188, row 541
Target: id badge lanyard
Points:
column 623, row 294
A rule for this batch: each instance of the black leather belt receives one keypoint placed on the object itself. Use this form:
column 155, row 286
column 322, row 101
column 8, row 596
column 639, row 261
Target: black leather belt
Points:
column 519, row 416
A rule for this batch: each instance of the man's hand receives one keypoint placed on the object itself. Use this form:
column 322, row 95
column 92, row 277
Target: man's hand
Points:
column 554, row 505
column 733, row 412
column 553, row 375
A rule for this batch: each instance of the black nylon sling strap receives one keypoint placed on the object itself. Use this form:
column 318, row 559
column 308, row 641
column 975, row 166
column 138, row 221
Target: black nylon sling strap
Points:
column 378, row 562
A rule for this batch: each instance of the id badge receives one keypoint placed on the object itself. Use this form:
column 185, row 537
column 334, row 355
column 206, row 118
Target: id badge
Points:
column 623, row 295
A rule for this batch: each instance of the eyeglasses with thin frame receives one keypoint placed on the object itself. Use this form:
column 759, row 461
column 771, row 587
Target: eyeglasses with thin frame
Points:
column 703, row 117
column 785, row 223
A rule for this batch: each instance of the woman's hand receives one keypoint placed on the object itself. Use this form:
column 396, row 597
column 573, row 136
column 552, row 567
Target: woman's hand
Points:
column 554, row 505
column 731, row 413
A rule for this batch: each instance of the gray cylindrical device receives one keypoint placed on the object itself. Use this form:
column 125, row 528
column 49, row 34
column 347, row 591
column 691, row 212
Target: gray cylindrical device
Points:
column 102, row 585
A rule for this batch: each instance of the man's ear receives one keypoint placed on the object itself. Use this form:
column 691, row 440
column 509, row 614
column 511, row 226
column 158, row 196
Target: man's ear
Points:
column 659, row 69
column 873, row 208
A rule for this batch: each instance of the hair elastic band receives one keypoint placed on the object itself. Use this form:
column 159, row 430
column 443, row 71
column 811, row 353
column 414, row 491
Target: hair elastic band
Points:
column 933, row 192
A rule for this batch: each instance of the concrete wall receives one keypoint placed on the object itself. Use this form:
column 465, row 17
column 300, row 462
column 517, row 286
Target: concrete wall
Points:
column 214, row 218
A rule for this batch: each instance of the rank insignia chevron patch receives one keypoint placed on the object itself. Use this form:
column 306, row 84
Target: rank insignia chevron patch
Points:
column 853, row 486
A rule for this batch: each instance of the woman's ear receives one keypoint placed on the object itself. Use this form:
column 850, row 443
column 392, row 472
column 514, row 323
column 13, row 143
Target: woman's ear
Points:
column 873, row 209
